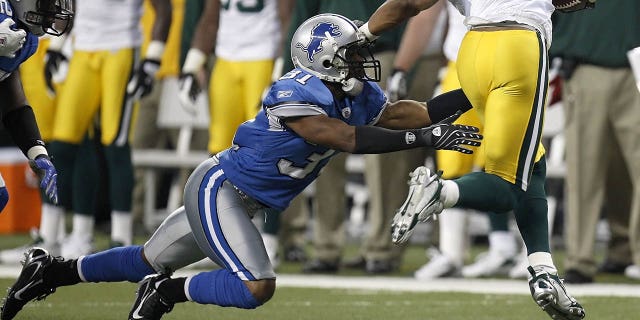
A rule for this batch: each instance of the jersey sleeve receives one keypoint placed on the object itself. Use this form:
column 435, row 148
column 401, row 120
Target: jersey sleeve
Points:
column 290, row 99
column 375, row 100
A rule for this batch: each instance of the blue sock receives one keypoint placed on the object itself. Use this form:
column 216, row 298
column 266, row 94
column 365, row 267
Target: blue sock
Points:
column 117, row 264
column 221, row 287
column 4, row 197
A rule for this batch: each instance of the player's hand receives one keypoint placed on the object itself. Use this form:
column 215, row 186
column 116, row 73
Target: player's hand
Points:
column 189, row 89
column 141, row 82
column 397, row 86
column 48, row 175
column 445, row 135
column 554, row 93
column 53, row 62
column 10, row 40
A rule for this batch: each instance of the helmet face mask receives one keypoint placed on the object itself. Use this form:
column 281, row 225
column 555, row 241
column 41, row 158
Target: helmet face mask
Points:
column 330, row 47
column 44, row 16
column 359, row 62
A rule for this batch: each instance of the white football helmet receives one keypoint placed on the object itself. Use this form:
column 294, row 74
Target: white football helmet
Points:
column 44, row 16
column 330, row 47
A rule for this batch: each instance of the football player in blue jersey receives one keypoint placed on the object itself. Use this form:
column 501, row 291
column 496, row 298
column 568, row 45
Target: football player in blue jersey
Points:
column 328, row 104
column 21, row 23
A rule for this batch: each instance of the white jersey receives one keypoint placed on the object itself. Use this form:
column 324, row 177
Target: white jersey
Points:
column 248, row 30
column 455, row 32
column 107, row 24
column 535, row 13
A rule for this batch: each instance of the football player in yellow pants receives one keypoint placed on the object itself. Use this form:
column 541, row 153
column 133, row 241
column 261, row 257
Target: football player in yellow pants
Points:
column 503, row 71
column 105, row 79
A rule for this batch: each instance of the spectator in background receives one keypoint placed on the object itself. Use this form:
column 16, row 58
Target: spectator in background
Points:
column 105, row 78
column 146, row 134
column 602, row 106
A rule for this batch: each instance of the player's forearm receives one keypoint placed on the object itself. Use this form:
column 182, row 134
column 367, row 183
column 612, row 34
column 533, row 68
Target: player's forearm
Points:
column 204, row 37
column 405, row 114
column 394, row 12
column 162, row 23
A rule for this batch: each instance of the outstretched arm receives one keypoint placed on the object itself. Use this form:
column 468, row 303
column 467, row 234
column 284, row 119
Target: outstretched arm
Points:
column 338, row 135
column 404, row 114
column 392, row 13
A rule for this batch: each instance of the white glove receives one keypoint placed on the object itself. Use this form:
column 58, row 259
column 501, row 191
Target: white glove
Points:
column 397, row 86
column 10, row 40
column 189, row 88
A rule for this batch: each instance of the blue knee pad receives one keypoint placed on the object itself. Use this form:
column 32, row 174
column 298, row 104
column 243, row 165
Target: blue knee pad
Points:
column 221, row 287
column 117, row 264
column 4, row 197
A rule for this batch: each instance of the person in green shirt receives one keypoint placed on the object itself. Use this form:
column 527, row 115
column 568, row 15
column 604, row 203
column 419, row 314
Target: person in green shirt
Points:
column 602, row 107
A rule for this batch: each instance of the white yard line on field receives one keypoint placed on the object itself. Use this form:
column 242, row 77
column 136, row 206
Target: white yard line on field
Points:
column 488, row 286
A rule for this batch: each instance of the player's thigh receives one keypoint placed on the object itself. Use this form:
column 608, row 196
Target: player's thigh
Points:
column 172, row 246
column 221, row 223
column 256, row 77
column 79, row 100
column 116, row 106
column 508, row 90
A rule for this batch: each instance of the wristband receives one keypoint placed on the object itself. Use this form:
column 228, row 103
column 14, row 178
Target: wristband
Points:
column 194, row 61
column 155, row 50
column 56, row 43
column 367, row 33
column 35, row 151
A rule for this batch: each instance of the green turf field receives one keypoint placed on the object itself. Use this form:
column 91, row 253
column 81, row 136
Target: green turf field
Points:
column 112, row 301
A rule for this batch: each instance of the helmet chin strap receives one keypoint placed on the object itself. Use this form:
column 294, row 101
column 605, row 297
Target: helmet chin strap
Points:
column 352, row 86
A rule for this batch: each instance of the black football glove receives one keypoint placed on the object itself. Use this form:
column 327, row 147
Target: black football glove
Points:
column 189, row 89
column 447, row 136
column 53, row 61
column 141, row 82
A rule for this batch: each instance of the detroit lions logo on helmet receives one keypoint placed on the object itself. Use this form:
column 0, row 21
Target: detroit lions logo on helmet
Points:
column 319, row 33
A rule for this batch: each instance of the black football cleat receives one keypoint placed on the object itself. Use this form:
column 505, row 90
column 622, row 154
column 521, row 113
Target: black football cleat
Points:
column 30, row 284
column 150, row 304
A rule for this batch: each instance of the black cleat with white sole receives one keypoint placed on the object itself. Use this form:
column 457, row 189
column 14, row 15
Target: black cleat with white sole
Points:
column 150, row 304
column 30, row 284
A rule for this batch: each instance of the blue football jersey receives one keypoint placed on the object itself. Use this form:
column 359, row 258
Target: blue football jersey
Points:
column 9, row 65
column 270, row 162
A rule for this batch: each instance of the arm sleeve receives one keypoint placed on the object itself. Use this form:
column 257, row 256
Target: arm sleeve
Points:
column 447, row 104
column 21, row 124
column 373, row 140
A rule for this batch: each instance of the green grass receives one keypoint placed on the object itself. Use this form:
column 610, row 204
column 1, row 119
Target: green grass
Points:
column 113, row 301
